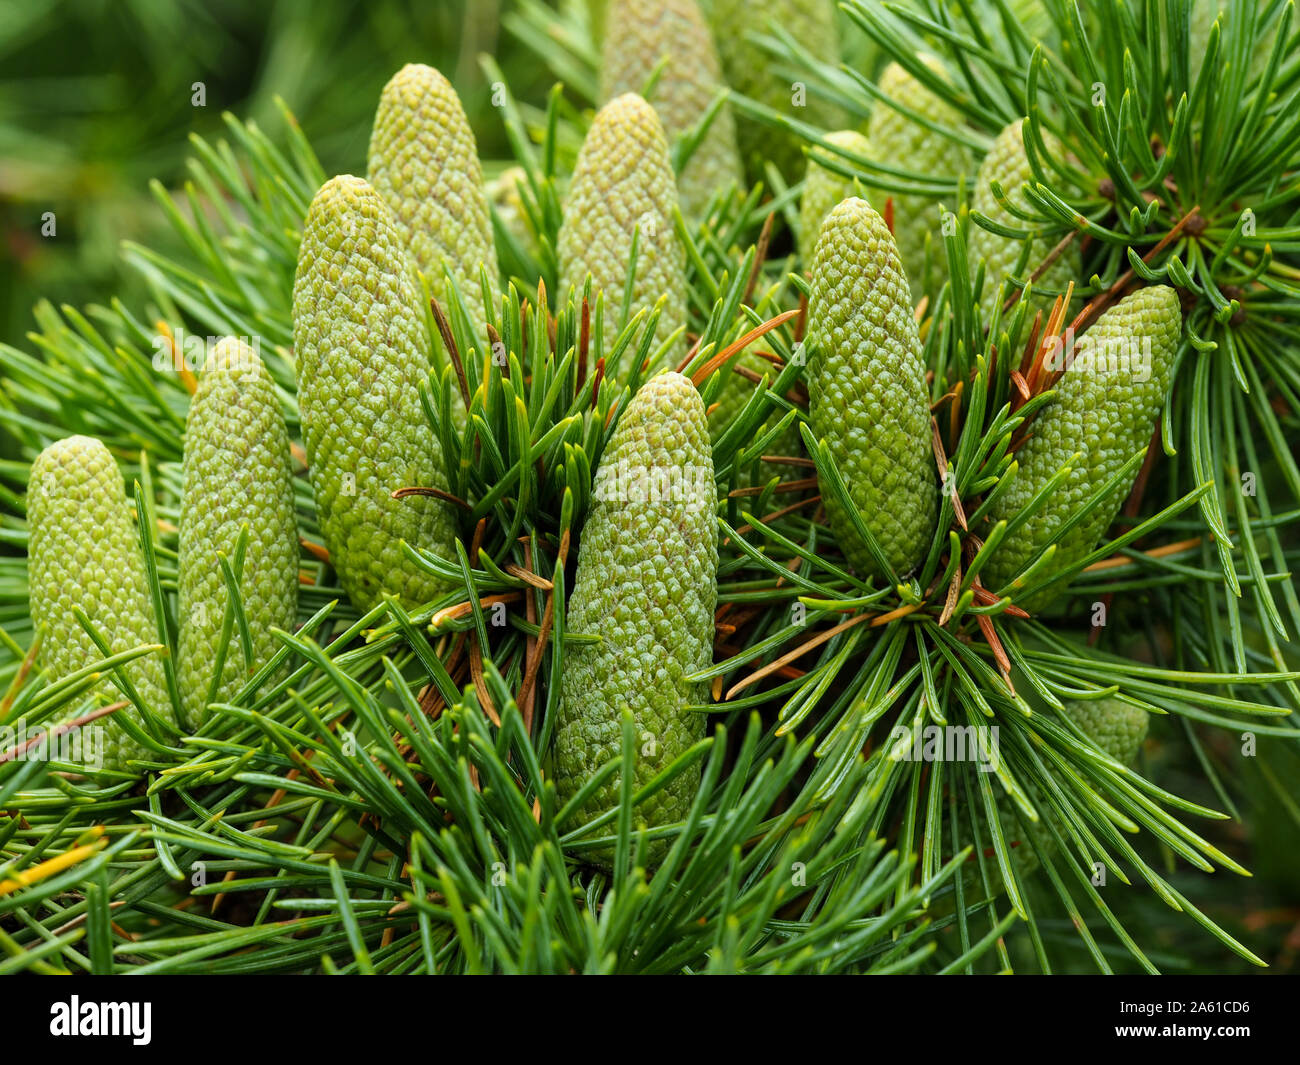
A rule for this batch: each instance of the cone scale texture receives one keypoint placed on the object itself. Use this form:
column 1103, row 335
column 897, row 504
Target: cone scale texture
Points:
column 424, row 163
column 824, row 188
column 623, row 189
column 647, row 585
column 361, row 350
column 1105, row 409
column 84, row 551
column 641, row 34
column 867, row 396
column 901, row 141
column 1008, row 165
column 237, row 474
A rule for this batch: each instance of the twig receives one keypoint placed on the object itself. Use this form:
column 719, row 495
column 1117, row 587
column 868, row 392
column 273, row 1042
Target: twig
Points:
column 798, row 652
column 449, row 343
column 760, row 257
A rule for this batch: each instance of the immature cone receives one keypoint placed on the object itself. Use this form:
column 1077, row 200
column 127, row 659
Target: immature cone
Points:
column 909, row 145
column 866, row 389
column 1008, row 164
column 238, row 473
column 623, row 185
column 84, row 552
column 647, row 586
column 824, row 188
column 361, row 345
column 424, row 163
column 641, row 34
column 1105, row 409
column 1113, row 725
column 749, row 69
column 1119, row 730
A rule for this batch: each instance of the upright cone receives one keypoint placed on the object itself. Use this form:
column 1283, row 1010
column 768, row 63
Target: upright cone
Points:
column 361, row 345
column 824, row 188
column 623, row 193
column 238, row 474
column 84, row 552
column 647, row 586
column 1105, row 410
column 644, row 33
column 867, row 396
column 900, row 140
column 1008, row 164
column 424, row 163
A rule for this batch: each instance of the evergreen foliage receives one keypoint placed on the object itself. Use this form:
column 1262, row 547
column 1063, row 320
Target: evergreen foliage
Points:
column 379, row 795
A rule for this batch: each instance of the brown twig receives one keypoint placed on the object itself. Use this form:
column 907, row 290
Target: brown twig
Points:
column 20, row 678
column 736, row 347
column 995, row 645
column 775, row 515
column 941, row 460
column 784, row 486
column 1048, row 259
column 460, row 610
column 56, row 731
column 527, row 576
column 596, row 379
column 1103, row 299
column 584, row 345
column 760, row 256
column 798, row 652
column 436, row 493
column 317, row 551
column 449, row 344
column 1164, row 551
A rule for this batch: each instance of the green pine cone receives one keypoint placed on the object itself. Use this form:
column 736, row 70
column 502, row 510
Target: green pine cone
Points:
column 424, row 163
column 1105, row 408
column 899, row 140
column 624, row 183
column 1113, row 725
column 641, row 34
column 361, row 349
column 84, row 552
column 647, row 585
column 867, row 396
column 823, row 188
column 238, row 473
column 1008, row 164
column 748, row 68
